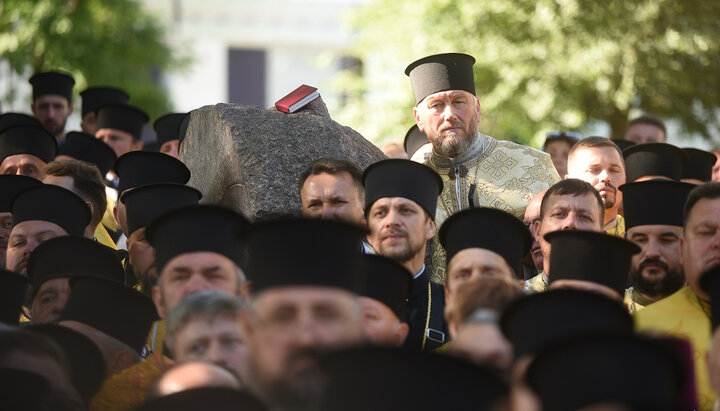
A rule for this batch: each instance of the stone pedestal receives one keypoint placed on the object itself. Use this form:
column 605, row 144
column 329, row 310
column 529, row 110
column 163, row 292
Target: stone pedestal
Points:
column 250, row 159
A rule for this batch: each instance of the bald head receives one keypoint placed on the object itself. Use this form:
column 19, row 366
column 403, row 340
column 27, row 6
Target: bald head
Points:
column 191, row 375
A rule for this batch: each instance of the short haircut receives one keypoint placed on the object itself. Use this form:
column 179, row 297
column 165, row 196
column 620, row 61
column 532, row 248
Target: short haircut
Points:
column 573, row 187
column 87, row 183
column 333, row 166
column 34, row 344
column 491, row 293
column 207, row 305
column 649, row 120
column 709, row 191
column 596, row 142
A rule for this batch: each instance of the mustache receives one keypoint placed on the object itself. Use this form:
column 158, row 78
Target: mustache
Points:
column 653, row 261
column 395, row 231
column 453, row 124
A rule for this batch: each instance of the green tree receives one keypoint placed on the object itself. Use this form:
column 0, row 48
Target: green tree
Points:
column 542, row 64
column 100, row 42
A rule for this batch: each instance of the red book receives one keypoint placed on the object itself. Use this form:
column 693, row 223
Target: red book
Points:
column 299, row 98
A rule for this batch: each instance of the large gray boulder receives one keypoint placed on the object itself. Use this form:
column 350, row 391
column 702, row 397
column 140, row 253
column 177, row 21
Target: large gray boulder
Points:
column 250, row 159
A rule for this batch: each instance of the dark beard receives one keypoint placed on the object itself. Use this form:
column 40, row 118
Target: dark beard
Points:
column 301, row 392
column 674, row 280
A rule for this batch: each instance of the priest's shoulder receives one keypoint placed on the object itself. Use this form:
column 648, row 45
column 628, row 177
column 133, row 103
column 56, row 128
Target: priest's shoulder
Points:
column 511, row 145
column 661, row 313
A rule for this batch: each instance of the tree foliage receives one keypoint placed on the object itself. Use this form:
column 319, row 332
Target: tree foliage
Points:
column 543, row 64
column 108, row 43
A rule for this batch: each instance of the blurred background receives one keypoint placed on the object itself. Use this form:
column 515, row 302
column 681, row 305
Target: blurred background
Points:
column 542, row 65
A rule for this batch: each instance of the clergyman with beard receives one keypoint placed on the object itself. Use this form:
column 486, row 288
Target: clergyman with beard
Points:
column 400, row 205
column 477, row 170
column 653, row 219
column 52, row 101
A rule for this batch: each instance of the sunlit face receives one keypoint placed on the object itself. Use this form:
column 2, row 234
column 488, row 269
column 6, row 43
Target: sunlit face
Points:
column 217, row 340
column 171, row 148
column 473, row 263
column 701, row 242
column 120, row 141
column 23, row 165
column 189, row 273
column 644, row 133
column 602, row 168
column 381, row 324
column 24, row 238
column 449, row 119
column 558, row 151
column 399, row 228
column 332, row 197
column 50, row 300
column 52, row 111
column 657, row 269
column 284, row 322
column 567, row 212
column 142, row 256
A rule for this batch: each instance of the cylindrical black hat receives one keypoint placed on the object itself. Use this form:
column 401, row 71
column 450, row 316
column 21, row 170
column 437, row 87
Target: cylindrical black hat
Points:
column 70, row 256
column 710, row 283
column 112, row 308
column 582, row 372
column 10, row 185
column 210, row 398
column 197, row 228
column 300, row 251
column 145, row 203
column 22, row 390
column 487, row 228
column 622, row 143
column 8, row 120
column 182, row 128
column 654, row 159
column 389, row 379
column 138, row 168
column 441, row 72
column 590, row 256
column 699, row 165
column 167, row 127
column 414, row 139
column 12, row 296
column 94, row 97
column 402, row 178
column 85, row 147
column 525, row 322
column 86, row 359
column 27, row 140
column 387, row 281
column 52, row 203
column 654, row 202
column 122, row 117
column 52, row 82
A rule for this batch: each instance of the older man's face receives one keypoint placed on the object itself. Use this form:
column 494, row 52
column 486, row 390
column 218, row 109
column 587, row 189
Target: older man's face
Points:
column 450, row 120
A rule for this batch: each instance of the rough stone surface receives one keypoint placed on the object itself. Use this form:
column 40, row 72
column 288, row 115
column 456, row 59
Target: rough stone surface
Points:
column 250, row 159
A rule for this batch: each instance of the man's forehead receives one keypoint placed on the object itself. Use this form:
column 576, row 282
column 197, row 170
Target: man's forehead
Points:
column 476, row 255
column 706, row 210
column 112, row 132
column 394, row 201
column 36, row 227
column 51, row 99
column 326, row 180
column 654, row 229
column 449, row 94
column 20, row 159
column 304, row 295
column 198, row 260
column 571, row 200
column 597, row 155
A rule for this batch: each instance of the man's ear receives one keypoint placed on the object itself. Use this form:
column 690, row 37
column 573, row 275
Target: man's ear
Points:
column 479, row 109
column 416, row 114
column 32, row 108
column 536, row 229
column 430, row 232
column 158, row 300
column 136, row 145
column 71, row 109
column 401, row 334
column 245, row 290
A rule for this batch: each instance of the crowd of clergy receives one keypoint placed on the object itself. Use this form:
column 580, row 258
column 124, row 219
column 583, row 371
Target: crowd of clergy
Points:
column 463, row 272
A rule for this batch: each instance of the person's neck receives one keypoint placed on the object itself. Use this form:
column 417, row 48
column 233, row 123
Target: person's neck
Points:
column 473, row 151
column 415, row 264
column 650, row 298
column 610, row 215
column 60, row 137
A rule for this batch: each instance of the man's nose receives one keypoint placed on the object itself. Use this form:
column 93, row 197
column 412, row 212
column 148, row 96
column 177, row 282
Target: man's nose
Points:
column 449, row 113
column 570, row 222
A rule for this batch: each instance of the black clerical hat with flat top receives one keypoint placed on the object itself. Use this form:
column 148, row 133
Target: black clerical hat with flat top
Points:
column 11, row 184
column 138, row 168
column 402, row 178
column 441, row 72
column 654, row 159
column 710, row 284
column 58, row 205
column 52, row 82
column 112, row 308
column 489, row 229
column 11, row 119
column 146, row 203
column 94, row 97
column 699, row 165
column 12, row 295
column 387, row 281
column 197, row 228
column 122, row 117
column 654, row 202
column 303, row 252
column 590, row 256
column 167, row 127
column 85, row 147
column 414, row 139
column 31, row 140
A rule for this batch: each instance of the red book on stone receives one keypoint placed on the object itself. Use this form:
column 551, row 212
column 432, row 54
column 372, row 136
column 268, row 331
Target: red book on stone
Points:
column 299, row 98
